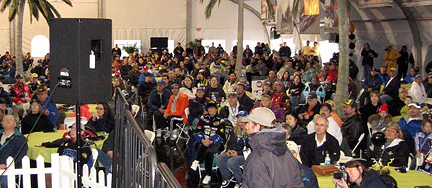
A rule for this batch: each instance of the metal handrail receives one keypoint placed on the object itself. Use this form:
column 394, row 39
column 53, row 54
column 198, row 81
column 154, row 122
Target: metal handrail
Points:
column 135, row 162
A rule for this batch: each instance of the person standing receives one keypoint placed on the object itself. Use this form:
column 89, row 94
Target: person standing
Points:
column 390, row 57
column 403, row 62
column 368, row 54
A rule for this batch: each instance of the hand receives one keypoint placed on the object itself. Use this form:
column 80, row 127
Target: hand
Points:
column 161, row 110
column 96, row 117
column 340, row 183
column 205, row 112
column 234, row 153
column 166, row 115
column 204, row 142
column 110, row 154
column 306, row 116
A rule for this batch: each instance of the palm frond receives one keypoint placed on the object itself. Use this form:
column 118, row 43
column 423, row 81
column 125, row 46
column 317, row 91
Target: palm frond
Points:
column 210, row 6
column 13, row 9
column 34, row 12
column 68, row 2
column 4, row 4
column 295, row 7
column 54, row 10
column 270, row 7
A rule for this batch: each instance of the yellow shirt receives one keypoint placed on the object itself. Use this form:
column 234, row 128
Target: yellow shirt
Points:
column 306, row 50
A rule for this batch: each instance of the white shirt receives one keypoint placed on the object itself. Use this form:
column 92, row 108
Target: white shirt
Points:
column 320, row 143
column 333, row 129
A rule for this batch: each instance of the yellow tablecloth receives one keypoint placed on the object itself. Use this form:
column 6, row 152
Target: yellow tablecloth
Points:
column 92, row 110
column 404, row 180
column 37, row 138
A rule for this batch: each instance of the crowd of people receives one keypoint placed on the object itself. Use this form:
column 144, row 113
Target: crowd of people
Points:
column 245, row 134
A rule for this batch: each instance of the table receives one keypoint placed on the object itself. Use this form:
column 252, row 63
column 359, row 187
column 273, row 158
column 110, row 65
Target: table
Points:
column 92, row 110
column 410, row 179
column 36, row 139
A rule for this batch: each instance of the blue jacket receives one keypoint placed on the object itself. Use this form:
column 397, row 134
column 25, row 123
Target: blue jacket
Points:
column 320, row 91
column 154, row 102
column 50, row 110
column 409, row 79
column 141, row 78
column 12, row 146
column 308, row 176
column 373, row 82
column 412, row 126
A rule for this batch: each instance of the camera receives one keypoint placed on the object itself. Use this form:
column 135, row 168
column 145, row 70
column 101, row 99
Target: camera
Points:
column 341, row 174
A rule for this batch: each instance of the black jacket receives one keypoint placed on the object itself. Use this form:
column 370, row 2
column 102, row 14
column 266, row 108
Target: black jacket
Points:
column 38, row 70
column 246, row 102
column 236, row 143
column 397, row 149
column 367, row 60
column 218, row 92
column 315, row 111
column 299, row 132
column 368, row 110
column 69, row 148
column 308, row 150
column 394, row 106
column 134, row 77
column 352, row 128
column 44, row 124
column 372, row 180
column 373, row 82
column 144, row 89
column 102, row 125
column 6, row 96
column 392, row 88
column 196, row 108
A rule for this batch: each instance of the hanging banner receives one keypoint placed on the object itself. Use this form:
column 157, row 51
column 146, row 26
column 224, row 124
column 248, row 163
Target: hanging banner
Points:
column 309, row 24
column 284, row 17
column 257, row 86
column 330, row 16
column 268, row 12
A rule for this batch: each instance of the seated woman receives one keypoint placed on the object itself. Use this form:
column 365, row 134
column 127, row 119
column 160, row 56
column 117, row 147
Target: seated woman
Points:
column 299, row 131
column 286, row 80
column 43, row 124
column 295, row 92
column 395, row 148
column 359, row 176
column 188, row 87
column 103, row 119
column 423, row 139
column 232, row 158
column 70, row 146
column 315, row 87
column 309, row 72
column 208, row 137
column 266, row 101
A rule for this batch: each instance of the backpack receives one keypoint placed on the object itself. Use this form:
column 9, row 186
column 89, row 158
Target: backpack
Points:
column 389, row 181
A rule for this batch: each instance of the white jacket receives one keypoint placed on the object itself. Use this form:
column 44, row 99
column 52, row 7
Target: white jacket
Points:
column 418, row 93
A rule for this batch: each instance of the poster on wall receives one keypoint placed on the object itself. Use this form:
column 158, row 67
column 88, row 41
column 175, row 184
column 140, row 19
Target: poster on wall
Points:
column 375, row 3
column 330, row 16
column 268, row 11
column 309, row 21
column 284, row 18
column 257, row 87
column 413, row 3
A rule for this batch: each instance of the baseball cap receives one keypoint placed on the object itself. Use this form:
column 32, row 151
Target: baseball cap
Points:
column 18, row 76
column 161, row 82
column 383, row 66
column 211, row 104
column 135, row 66
column 393, row 69
column 418, row 76
column 278, row 83
column 145, row 68
column 267, row 83
column 35, row 75
column 242, row 113
column 34, row 100
column 175, row 85
column 312, row 96
column 374, row 69
column 415, row 105
column 74, row 126
column 292, row 146
column 147, row 74
column 261, row 115
column 200, row 88
column 41, row 90
column 350, row 102
column 232, row 95
column 327, row 105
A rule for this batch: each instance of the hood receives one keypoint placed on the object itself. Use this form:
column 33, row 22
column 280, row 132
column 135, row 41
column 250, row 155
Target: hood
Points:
column 272, row 140
column 395, row 142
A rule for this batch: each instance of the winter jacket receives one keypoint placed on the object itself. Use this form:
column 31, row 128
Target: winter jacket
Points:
column 368, row 110
column 391, row 87
column 43, row 124
column 236, row 143
column 352, row 128
column 305, row 109
column 12, row 146
column 145, row 88
column 216, row 68
column 230, row 86
column 180, row 106
column 368, row 60
column 197, row 107
column 247, row 102
column 309, row 73
column 319, row 90
column 210, row 128
column 309, row 148
column 5, row 95
column 21, row 93
column 50, row 110
column 296, row 90
column 373, row 82
column 384, row 77
column 397, row 150
column 371, row 181
column 412, row 126
column 270, row 163
column 309, row 178
column 281, row 99
column 299, row 132
column 69, row 148
column 230, row 113
column 423, row 141
column 102, row 125
column 157, row 101
column 394, row 106
column 190, row 92
column 417, row 92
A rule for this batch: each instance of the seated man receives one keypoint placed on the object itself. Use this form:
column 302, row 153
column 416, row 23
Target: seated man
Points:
column 318, row 145
column 307, row 112
column 48, row 108
column 208, row 135
column 34, row 83
column 158, row 100
column 70, row 146
column 5, row 96
column 145, row 88
column 177, row 104
column 352, row 128
column 333, row 129
column 218, row 69
column 231, row 108
column 371, row 83
column 8, row 75
column 20, row 94
column 410, row 124
column 279, row 97
column 11, row 141
column 244, row 100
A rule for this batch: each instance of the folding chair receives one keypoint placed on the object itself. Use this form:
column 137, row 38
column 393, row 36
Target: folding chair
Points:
column 135, row 109
column 71, row 120
column 184, row 129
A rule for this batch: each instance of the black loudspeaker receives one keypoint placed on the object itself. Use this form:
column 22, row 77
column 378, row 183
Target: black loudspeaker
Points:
column 159, row 42
column 80, row 60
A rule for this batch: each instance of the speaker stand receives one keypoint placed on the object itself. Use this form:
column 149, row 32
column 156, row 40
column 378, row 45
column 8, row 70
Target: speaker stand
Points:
column 79, row 143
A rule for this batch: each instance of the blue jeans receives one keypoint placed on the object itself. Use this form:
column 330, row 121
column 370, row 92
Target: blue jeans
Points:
column 105, row 160
column 229, row 166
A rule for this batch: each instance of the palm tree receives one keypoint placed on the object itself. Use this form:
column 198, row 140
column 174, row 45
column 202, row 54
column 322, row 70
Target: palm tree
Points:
column 35, row 6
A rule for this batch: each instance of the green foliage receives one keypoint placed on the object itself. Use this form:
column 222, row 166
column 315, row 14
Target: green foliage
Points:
column 47, row 10
column 210, row 7
column 130, row 49
column 194, row 42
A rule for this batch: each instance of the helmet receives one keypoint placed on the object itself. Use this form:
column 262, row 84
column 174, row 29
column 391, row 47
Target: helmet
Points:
column 378, row 139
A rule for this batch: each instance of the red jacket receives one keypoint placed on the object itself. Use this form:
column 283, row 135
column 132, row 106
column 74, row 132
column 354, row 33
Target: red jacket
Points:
column 181, row 105
column 19, row 90
column 84, row 112
column 332, row 75
column 280, row 99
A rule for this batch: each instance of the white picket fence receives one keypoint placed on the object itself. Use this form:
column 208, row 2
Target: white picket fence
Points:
column 62, row 173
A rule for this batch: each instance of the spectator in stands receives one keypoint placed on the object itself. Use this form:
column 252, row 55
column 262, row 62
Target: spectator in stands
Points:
column 103, row 119
column 177, row 104
column 70, row 147
column 11, row 142
column 423, row 139
column 295, row 92
column 8, row 75
column 33, row 121
column 418, row 91
column 379, row 121
column 230, row 161
column 428, row 86
column 178, row 50
column 267, row 167
column 309, row 72
column 244, row 100
column 172, row 78
column 231, row 83
column 199, row 50
column 271, row 77
column 395, row 148
column 391, row 87
column 215, row 90
column 306, row 49
column 332, row 73
column 33, row 83
column 352, row 128
column 318, row 145
column 188, row 88
column 247, row 53
column 197, row 106
column 308, row 111
column 333, row 127
column 48, row 108
column 315, row 87
column 134, row 74
column 298, row 131
column 266, row 101
column 410, row 77
column 373, row 82
column 141, row 78
column 179, row 76
column 126, row 67
column 267, row 89
column 279, row 97
column 206, row 70
column 40, row 70
column 163, row 69
column 286, row 80
column 390, row 57
column 5, row 96
column 21, row 93
column 200, row 80
column 371, row 107
column 333, row 113
column 411, row 123
column 360, row 176
column 395, row 105
column 218, row 69
column 260, row 68
column 208, row 135
column 231, row 108
column 145, row 88
column 284, row 51
column 220, row 50
column 383, row 74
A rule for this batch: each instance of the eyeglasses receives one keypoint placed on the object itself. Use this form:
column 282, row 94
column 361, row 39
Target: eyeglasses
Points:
column 97, row 108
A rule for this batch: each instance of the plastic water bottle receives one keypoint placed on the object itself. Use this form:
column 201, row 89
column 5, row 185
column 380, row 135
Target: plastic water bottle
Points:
column 327, row 159
column 213, row 97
